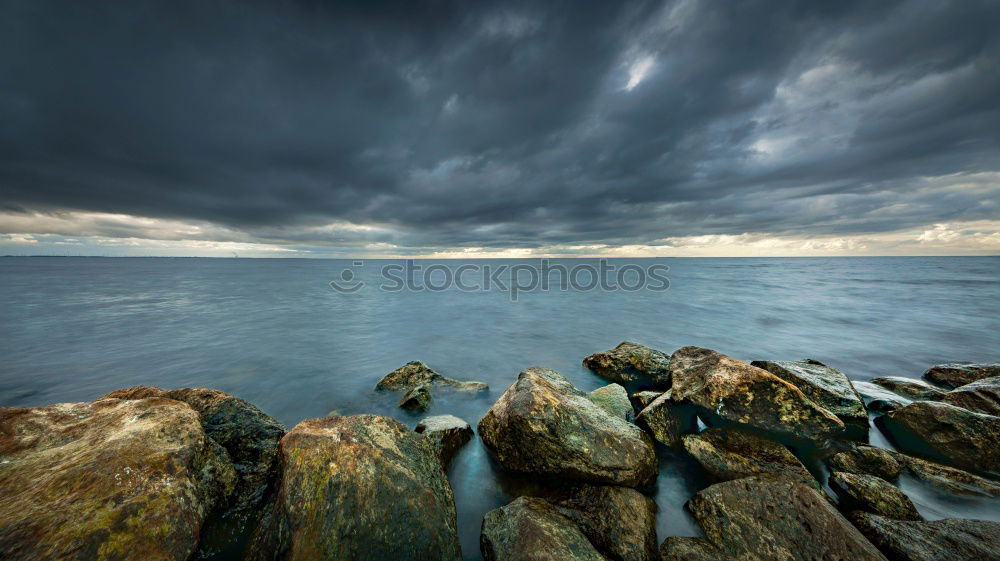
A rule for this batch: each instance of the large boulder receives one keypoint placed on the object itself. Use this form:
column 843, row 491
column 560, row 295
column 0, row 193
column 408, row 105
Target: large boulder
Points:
column 949, row 434
column 768, row 518
column 909, row 387
column 667, row 420
column 958, row 374
column 543, row 425
column 416, row 373
column 953, row 480
column 448, row 433
column 632, row 363
column 953, row 539
column 731, row 453
column 828, row 387
column 249, row 436
column 620, row 522
column 872, row 494
column 614, row 399
column 112, row 479
column 982, row 396
column 867, row 460
column 360, row 487
column 735, row 391
column 531, row 529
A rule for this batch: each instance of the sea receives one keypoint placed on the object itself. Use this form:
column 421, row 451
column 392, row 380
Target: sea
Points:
column 305, row 338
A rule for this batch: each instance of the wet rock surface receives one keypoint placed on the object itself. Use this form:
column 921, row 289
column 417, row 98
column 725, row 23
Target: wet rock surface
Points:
column 953, row 480
column 981, row 396
column 667, row 420
column 359, row 487
column 416, row 400
column 949, row 434
column 740, row 393
column 614, row 399
column 828, row 387
column 872, row 494
column 249, row 436
column 689, row 549
column 644, row 398
column 632, row 363
column 958, row 374
column 867, row 460
column 620, row 522
column 953, row 539
column 879, row 399
column 531, row 529
column 909, row 387
column 545, row 426
column 416, row 373
column 112, row 479
column 729, row 453
column 448, row 433
column 764, row 518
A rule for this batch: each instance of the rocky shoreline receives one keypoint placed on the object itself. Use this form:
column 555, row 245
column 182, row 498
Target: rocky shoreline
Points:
column 144, row 473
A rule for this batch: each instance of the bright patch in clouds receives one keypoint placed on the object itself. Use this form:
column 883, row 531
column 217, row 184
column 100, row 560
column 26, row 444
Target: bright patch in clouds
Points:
column 638, row 71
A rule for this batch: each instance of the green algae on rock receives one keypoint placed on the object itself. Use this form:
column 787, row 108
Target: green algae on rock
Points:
column 360, row 487
column 112, row 479
column 416, row 373
column 828, row 387
column 614, row 399
column 531, row 529
column 543, row 425
column 737, row 392
column 632, row 363
column 416, row 400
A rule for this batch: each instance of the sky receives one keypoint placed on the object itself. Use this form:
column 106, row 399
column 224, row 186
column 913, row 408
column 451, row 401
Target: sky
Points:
column 500, row 129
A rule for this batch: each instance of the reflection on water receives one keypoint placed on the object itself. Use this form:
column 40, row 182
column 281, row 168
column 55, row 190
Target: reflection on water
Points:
column 275, row 333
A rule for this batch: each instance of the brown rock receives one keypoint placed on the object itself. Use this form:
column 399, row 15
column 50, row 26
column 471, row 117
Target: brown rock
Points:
column 738, row 392
column 872, row 494
column 867, row 460
column 632, row 363
column 958, row 374
column 361, row 487
column 545, row 426
column 909, row 387
column 730, row 453
column 620, row 522
column 667, row 420
column 416, row 373
column 644, row 398
column 953, row 539
column 981, row 396
column 448, row 433
column 953, row 480
column 416, row 400
column 828, row 387
column 690, row 549
column 113, row 479
column 531, row 529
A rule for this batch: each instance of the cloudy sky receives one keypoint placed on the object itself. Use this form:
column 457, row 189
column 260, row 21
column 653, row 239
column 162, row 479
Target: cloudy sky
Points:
column 500, row 129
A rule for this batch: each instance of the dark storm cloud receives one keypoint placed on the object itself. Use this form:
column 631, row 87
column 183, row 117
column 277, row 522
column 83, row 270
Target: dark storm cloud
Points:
column 503, row 124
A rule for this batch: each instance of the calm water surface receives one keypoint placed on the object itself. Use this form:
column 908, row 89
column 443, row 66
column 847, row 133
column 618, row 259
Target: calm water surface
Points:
column 275, row 333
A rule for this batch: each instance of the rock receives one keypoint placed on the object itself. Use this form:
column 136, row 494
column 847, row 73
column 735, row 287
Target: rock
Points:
column 644, row 398
column 249, row 436
column 689, row 549
column 953, row 539
column 879, row 399
column 614, row 399
column 981, row 396
column 543, row 425
column 448, row 433
column 112, row 479
column 872, row 494
column 531, row 529
column 737, row 392
column 828, row 387
column 766, row 517
column 620, row 522
column 950, row 479
column 667, row 420
column 632, row 363
column 908, row 387
column 954, row 375
column 359, row 487
column 416, row 373
column 418, row 399
column 731, row 453
column 867, row 460
column 946, row 433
